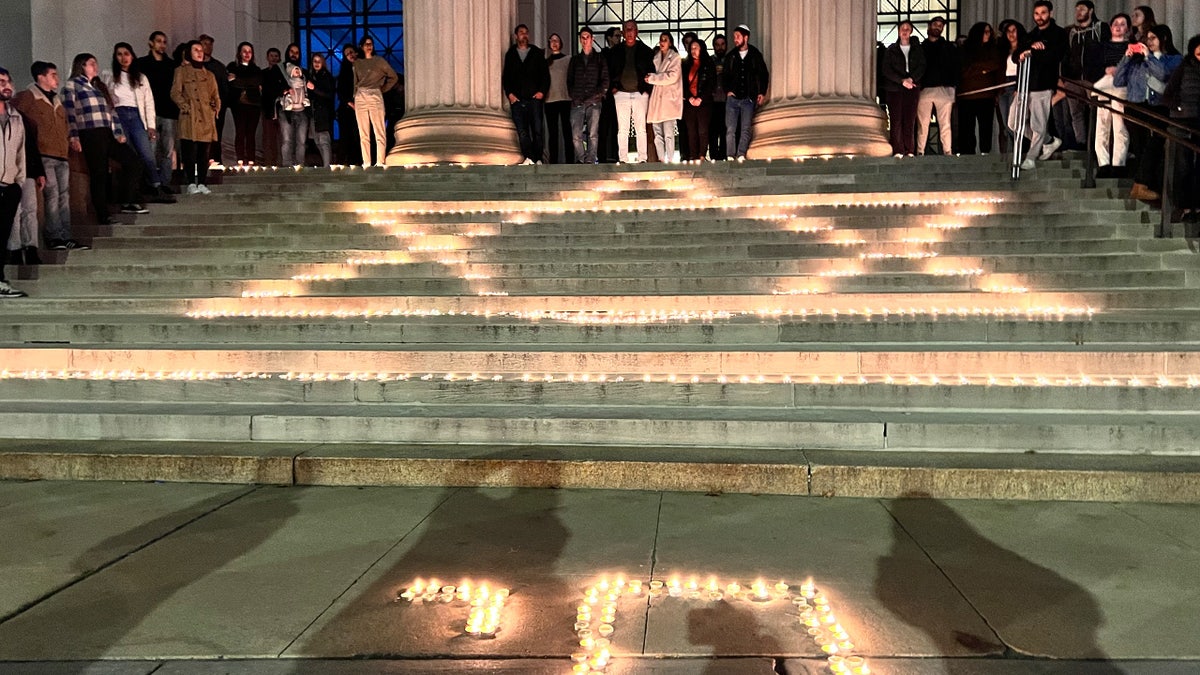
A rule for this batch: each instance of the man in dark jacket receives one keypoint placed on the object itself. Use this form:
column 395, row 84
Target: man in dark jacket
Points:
column 587, row 84
column 746, row 80
column 628, row 65
column 937, row 87
column 218, row 70
column 349, row 151
column 1082, row 38
column 525, row 80
column 1045, row 48
column 159, row 69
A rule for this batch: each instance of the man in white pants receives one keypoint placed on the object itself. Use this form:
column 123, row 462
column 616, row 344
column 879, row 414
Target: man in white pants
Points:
column 628, row 65
column 937, row 87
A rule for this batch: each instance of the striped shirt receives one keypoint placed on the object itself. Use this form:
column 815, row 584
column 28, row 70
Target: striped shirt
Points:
column 87, row 108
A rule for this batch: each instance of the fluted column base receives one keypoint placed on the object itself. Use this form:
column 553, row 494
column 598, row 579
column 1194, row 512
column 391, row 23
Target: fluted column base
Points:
column 820, row 127
column 455, row 136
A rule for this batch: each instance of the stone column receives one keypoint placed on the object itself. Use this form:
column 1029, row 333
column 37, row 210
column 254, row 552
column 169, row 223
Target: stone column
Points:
column 822, row 97
column 453, row 55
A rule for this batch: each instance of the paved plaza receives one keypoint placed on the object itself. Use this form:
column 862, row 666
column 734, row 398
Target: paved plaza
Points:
column 125, row 578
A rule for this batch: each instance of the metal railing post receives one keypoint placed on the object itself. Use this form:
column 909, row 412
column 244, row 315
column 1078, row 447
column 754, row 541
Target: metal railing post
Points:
column 1089, row 173
column 1165, row 228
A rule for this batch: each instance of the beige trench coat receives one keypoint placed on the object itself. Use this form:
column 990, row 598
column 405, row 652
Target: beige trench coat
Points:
column 195, row 92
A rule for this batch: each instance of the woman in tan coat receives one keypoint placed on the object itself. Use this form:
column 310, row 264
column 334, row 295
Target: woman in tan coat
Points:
column 195, row 92
column 666, row 99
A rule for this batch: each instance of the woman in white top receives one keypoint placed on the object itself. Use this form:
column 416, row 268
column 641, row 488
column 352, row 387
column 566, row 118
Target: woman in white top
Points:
column 133, row 101
column 666, row 99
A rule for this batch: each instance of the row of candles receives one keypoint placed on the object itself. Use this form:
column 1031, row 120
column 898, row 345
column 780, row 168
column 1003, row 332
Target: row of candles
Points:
column 646, row 317
column 785, row 204
column 486, row 604
column 129, row 375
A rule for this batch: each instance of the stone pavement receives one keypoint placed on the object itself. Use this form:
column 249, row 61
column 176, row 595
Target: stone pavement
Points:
column 181, row 579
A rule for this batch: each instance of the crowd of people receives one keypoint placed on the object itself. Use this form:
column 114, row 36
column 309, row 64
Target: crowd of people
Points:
column 695, row 106
column 144, row 117
column 968, row 84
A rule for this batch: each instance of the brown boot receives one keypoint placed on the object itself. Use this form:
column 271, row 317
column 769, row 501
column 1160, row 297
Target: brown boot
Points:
column 1143, row 193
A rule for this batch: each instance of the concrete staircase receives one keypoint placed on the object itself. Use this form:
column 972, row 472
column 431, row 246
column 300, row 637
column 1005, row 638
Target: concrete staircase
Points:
column 695, row 327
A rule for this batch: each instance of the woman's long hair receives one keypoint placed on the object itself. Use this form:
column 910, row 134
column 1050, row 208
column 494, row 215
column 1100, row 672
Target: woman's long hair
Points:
column 77, row 71
column 1002, row 34
column 238, row 58
column 1166, row 42
column 975, row 48
column 135, row 71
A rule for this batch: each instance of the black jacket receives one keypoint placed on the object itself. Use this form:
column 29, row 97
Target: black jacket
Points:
column 1047, row 63
column 218, row 70
column 525, row 78
column 321, row 96
column 643, row 63
column 33, row 157
column 273, row 86
column 246, row 87
column 161, row 75
column 345, row 84
column 746, row 77
column 706, row 79
column 1182, row 96
column 942, row 67
column 894, row 70
column 587, row 78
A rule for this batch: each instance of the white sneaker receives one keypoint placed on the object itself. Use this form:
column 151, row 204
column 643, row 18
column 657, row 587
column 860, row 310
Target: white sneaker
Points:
column 1049, row 148
column 7, row 291
column 192, row 189
column 202, row 189
column 1028, row 164
column 527, row 162
column 898, row 155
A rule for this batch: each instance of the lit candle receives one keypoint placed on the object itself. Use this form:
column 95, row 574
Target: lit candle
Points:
column 605, row 630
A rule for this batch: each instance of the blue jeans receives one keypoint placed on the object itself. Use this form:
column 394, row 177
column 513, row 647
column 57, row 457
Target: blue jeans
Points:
column 529, row 117
column 293, row 129
column 586, row 116
column 739, row 115
column 57, row 196
column 139, row 139
column 164, row 150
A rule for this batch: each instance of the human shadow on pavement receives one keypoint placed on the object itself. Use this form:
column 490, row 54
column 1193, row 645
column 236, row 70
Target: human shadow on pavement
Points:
column 502, row 536
column 731, row 631
column 91, row 619
column 1019, row 597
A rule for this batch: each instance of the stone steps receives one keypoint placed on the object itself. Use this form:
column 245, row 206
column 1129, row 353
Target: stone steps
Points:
column 1106, row 332
column 690, row 313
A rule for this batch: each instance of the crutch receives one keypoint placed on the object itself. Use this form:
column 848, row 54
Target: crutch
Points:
column 1023, row 74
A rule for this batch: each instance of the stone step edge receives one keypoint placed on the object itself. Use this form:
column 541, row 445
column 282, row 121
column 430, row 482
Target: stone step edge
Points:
column 1041, row 477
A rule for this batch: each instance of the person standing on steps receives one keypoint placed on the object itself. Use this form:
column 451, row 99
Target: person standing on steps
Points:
column 43, row 111
column 937, row 87
column 558, row 104
column 195, row 92
column 1112, row 136
column 294, row 110
column 134, row 105
column 245, row 85
column 12, row 170
column 746, row 83
column 699, row 78
column 903, row 68
column 1044, row 48
column 273, row 85
column 373, row 76
column 159, row 69
column 587, row 84
column 716, row 125
column 666, row 99
column 321, row 90
column 349, row 151
column 525, row 81
column 23, row 242
column 222, row 77
column 628, row 65
column 97, row 133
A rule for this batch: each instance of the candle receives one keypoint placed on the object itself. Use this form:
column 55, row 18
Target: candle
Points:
column 781, row 588
column 606, row 629
column 587, row 643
